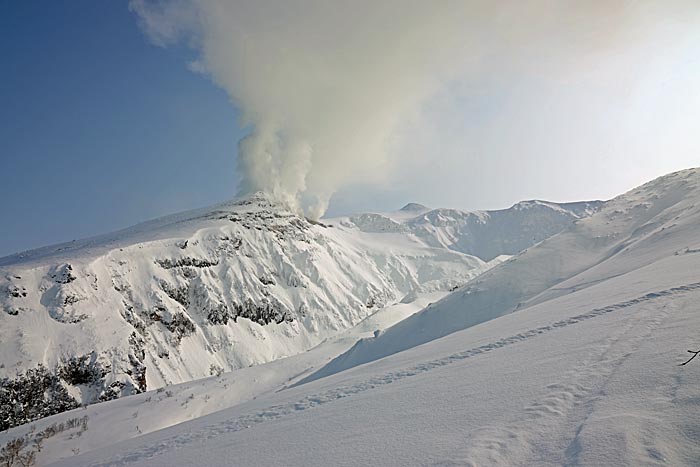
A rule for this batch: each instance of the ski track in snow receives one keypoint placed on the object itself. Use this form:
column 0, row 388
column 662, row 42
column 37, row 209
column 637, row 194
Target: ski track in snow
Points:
column 574, row 399
column 614, row 354
column 543, row 435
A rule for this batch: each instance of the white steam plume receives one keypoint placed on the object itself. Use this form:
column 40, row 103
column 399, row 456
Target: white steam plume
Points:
column 323, row 84
column 326, row 86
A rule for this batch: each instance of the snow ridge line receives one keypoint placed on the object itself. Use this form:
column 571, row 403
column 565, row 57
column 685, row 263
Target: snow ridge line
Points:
column 276, row 412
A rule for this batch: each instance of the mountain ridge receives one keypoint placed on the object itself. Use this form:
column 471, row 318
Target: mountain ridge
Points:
column 216, row 289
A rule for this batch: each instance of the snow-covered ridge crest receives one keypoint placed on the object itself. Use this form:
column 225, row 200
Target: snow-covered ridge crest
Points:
column 486, row 234
column 170, row 226
column 238, row 284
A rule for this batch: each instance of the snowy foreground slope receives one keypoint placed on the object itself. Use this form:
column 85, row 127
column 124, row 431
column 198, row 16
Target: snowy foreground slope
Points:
column 239, row 284
column 567, row 355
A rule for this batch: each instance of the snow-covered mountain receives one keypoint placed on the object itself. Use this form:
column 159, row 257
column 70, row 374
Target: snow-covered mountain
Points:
column 486, row 234
column 565, row 354
column 657, row 221
column 239, row 284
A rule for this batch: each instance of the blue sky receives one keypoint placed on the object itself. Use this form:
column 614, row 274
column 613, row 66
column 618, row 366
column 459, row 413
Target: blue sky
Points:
column 99, row 129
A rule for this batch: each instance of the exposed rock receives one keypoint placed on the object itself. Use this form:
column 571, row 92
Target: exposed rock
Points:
column 186, row 261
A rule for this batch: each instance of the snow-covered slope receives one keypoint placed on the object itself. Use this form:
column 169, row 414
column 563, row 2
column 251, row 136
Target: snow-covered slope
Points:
column 658, row 220
column 585, row 373
column 239, row 284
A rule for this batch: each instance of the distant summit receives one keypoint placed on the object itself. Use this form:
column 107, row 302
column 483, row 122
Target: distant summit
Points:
column 414, row 207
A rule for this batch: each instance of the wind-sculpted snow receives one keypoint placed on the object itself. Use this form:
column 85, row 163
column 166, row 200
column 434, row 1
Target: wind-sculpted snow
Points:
column 629, row 232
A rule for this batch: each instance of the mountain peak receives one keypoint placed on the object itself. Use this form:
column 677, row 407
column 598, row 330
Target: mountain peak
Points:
column 261, row 198
column 414, row 207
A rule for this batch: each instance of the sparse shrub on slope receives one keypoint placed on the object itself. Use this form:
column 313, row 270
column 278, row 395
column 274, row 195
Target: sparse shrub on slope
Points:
column 180, row 325
column 83, row 369
column 32, row 395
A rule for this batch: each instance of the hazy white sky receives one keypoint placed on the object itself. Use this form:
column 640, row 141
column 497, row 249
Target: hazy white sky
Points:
column 474, row 104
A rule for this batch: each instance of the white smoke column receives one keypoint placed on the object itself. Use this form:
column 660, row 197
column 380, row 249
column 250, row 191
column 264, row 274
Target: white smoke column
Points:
column 326, row 86
column 323, row 84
